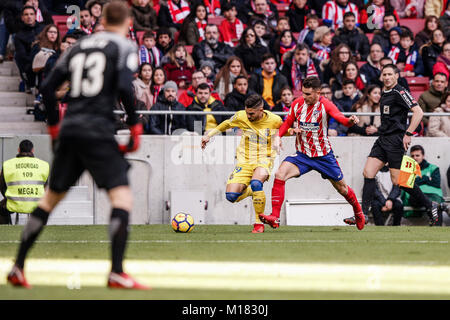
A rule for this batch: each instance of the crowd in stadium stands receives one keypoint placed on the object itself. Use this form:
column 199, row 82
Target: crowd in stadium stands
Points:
column 206, row 55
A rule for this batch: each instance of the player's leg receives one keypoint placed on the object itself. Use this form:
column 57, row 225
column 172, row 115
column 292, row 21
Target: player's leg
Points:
column 419, row 197
column 236, row 192
column 259, row 198
column 238, row 184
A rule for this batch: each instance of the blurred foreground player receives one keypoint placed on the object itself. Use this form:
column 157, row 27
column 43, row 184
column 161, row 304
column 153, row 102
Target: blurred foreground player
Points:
column 395, row 138
column 100, row 70
column 311, row 114
column 255, row 155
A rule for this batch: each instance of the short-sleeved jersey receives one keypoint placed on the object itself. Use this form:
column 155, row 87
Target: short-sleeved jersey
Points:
column 394, row 106
column 313, row 120
column 256, row 140
column 100, row 69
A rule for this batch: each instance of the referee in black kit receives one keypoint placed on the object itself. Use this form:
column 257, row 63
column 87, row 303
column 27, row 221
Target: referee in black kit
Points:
column 395, row 138
column 100, row 69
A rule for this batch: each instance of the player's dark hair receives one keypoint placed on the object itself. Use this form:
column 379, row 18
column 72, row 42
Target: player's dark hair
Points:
column 312, row 82
column 418, row 147
column 241, row 76
column 348, row 81
column 28, row 7
column 25, row 146
column 204, row 86
column 349, row 14
column 393, row 67
column 440, row 74
column 116, row 13
column 254, row 101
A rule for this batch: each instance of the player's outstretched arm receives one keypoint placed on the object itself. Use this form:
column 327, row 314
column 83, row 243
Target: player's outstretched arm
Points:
column 224, row 125
column 335, row 113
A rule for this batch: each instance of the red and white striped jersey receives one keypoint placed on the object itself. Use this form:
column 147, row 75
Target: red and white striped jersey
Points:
column 313, row 120
column 334, row 14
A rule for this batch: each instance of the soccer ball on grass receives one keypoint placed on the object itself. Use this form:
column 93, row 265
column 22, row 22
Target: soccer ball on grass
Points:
column 183, row 222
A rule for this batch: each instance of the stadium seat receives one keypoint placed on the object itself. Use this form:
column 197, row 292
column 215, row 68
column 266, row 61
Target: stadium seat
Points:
column 370, row 37
column 416, row 94
column 416, row 25
column 282, row 8
column 61, row 22
column 418, row 83
column 139, row 35
column 189, row 49
column 180, row 92
column 360, row 63
column 217, row 20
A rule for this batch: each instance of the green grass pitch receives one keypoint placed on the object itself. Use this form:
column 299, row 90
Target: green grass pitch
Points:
column 228, row 262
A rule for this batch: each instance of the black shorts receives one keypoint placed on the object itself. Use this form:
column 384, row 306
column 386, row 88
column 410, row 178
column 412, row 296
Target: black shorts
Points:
column 389, row 149
column 101, row 158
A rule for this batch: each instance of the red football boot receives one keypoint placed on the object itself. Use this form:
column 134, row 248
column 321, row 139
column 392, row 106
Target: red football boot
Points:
column 271, row 220
column 360, row 220
column 258, row 228
column 124, row 281
column 17, row 278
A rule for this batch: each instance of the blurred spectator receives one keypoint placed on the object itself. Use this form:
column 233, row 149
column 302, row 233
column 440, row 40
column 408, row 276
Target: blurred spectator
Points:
column 339, row 57
column 262, row 35
column 284, row 104
column 203, row 101
column 268, row 82
column 444, row 21
column 187, row 96
column 148, row 52
column 393, row 50
column 321, row 47
column 23, row 41
column 429, row 183
column 211, row 49
column 348, row 97
column 371, row 71
column 298, row 10
column 213, row 7
column 409, row 60
column 408, row 8
column 143, row 93
column 164, row 40
column 423, row 37
column 434, row 8
column 369, row 102
column 59, row 7
column 381, row 36
column 47, row 44
column 431, row 99
column 350, row 72
column 172, row 14
column 4, row 34
column 250, row 50
column 440, row 126
column 284, row 44
column 443, row 61
column 431, row 51
column 158, row 79
column 180, row 66
column 334, row 10
column 207, row 67
column 43, row 16
column 282, row 25
column 386, row 199
column 374, row 20
column 167, row 124
column 307, row 35
column 298, row 65
column 235, row 100
column 231, row 28
column 194, row 26
column 144, row 16
column 352, row 36
column 95, row 8
column 12, row 15
column 264, row 11
column 225, row 78
column 325, row 91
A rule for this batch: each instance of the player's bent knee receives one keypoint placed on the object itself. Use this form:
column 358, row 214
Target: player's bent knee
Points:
column 232, row 196
column 256, row 185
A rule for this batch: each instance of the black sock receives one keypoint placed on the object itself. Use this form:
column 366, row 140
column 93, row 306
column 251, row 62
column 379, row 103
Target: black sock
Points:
column 36, row 222
column 368, row 193
column 418, row 196
column 118, row 233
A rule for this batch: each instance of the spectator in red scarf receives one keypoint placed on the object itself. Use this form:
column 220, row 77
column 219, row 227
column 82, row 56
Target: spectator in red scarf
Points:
column 321, row 47
column 172, row 14
column 158, row 79
column 180, row 66
column 231, row 28
column 374, row 20
column 285, row 43
column 443, row 61
column 148, row 52
column 194, row 26
column 187, row 96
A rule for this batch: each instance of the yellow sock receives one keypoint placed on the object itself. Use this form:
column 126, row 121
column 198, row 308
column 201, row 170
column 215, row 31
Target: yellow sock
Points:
column 259, row 204
column 247, row 193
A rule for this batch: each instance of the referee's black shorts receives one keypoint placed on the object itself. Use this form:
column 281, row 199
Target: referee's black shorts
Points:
column 389, row 149
column 101, row 158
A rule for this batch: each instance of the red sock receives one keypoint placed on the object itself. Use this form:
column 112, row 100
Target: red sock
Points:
column 277, row 197
column 351, row 198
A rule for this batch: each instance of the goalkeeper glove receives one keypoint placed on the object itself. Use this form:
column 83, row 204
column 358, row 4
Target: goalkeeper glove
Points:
column 133, row 144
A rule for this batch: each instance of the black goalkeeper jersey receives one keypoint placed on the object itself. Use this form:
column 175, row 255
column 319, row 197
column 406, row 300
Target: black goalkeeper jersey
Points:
column 100, row 69
column 394, row 106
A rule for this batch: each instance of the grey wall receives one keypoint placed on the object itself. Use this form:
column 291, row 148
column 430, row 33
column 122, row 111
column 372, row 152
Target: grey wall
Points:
column 163, row 164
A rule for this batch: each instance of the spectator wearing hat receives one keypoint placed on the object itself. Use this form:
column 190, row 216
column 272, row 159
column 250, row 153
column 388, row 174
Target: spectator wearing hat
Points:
column 321, row 47
column 167, row 124
column 207, row 67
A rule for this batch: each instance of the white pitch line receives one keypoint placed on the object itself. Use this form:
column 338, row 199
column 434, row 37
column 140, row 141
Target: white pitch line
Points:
column 223, row 275
column 236, row 241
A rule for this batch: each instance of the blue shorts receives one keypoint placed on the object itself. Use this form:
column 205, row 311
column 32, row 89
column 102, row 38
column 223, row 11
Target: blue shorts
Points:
column 327, row 165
